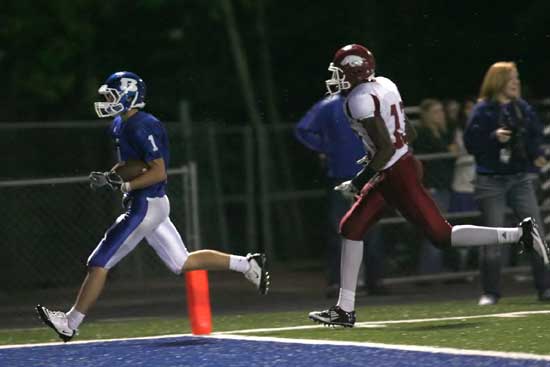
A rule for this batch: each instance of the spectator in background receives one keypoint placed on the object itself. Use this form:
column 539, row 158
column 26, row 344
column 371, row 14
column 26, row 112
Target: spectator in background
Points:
column 462, row 187
column 325, row 129
column 434, row 136
column 504, row 135
column 462, row 194
column 452, row 113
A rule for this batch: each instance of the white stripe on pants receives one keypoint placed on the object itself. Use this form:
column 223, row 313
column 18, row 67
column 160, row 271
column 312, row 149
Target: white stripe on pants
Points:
column 161, row 234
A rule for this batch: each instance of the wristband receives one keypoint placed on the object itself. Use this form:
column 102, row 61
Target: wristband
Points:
column 363, row 177
column 125, row 187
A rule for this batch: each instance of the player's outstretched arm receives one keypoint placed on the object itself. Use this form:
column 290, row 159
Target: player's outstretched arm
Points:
column 155, row 173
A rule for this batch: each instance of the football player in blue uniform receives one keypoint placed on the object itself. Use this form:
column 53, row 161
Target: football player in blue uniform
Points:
column 140, row 136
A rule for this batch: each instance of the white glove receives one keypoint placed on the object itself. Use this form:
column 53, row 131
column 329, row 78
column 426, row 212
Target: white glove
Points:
column 346, row 188
column 110, row 179
column 364, row 161
column 97, row 179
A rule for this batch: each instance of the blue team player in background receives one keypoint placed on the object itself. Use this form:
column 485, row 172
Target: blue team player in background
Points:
column 141, row 137
column 325, row 129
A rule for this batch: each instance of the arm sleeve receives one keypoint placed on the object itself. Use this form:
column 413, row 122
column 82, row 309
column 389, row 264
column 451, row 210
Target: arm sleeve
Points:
column 309, row 129
column 147, row 142
column 363, row 106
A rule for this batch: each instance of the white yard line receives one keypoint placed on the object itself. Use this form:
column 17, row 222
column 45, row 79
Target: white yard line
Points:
column 370, row 324
column 228, row 335
column 413, row 348
column 506, row 314
column 78, row 342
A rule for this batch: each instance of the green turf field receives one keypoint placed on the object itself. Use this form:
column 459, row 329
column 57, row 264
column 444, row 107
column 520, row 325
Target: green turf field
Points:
column 526, row 333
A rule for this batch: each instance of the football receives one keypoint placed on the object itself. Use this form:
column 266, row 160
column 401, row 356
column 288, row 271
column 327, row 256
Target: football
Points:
column 131, row 169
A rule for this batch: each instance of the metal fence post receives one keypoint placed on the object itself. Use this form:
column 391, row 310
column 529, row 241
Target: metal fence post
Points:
column 248, row 159
column 186, row 129
column 195, row 205
column 264, row 168
column 217, row 178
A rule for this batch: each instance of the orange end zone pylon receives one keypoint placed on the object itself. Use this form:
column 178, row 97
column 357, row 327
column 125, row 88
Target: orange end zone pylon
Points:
column 198, row 301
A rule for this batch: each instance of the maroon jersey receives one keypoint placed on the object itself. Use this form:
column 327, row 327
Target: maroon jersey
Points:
column 399, row 184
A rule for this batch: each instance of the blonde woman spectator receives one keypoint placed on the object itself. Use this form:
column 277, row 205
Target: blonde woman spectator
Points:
column 504, row 135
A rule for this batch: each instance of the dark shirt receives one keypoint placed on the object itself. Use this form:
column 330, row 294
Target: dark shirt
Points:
column 438, row 173
column 481, row 141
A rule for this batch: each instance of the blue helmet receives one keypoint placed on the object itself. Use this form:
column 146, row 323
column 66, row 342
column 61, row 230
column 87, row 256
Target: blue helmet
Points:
column 122, row 91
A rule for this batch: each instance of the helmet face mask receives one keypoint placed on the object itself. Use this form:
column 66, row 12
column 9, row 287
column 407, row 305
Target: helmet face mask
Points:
column 337, row 82
column 121, row 92
column 111, row 106
column 352, row 64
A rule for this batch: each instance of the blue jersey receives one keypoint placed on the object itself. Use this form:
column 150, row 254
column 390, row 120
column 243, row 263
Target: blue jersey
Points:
column 326, row 129
column 141, row 137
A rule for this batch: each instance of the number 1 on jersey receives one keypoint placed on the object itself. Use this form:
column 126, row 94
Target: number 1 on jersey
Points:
column 152, row 140
column 398, row 134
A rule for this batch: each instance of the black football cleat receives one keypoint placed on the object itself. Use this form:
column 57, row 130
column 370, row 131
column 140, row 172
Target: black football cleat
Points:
column 531, row 240
column 334, row 316
column 258, row 274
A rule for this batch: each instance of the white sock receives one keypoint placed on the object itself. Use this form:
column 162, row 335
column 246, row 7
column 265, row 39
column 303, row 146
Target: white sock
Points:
column 238, row 263
column 350, row 263
column 75, row 318
column 467, row 235
column 346, row 300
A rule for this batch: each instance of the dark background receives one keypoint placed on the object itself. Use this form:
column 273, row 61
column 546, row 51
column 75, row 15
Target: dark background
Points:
column 54, row 54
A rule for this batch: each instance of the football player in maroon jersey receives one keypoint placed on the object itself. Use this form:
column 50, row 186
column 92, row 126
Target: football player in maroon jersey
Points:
column 392, row 177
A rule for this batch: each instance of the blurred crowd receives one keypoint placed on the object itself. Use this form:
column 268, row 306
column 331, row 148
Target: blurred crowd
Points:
column 449, row 171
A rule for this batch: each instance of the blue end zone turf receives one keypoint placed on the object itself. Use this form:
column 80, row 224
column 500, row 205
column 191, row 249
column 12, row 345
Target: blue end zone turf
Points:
column 198, row 351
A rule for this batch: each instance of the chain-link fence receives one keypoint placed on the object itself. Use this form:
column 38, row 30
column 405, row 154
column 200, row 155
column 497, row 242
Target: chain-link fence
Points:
column 49, row 229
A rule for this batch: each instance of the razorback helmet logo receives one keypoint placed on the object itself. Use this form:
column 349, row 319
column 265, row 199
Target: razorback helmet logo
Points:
column 352, row 64
column 352, row 60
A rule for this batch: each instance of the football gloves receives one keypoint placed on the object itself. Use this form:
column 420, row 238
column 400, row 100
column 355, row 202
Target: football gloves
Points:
column 364, row 161
column 347, row 189
column 110, row 179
